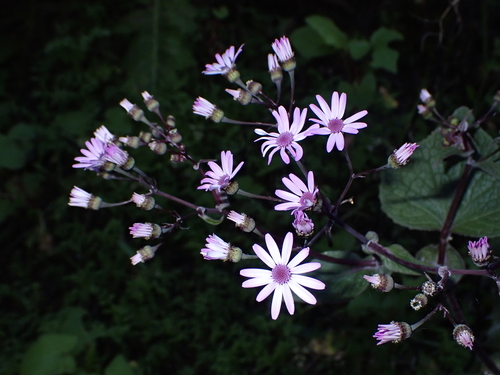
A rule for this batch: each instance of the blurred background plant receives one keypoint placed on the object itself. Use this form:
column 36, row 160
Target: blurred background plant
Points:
column 71, row 301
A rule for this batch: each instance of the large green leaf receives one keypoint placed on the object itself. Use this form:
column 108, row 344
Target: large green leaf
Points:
column 419, row 195
column 50, row 355
column 403, row 254
column 328, row 31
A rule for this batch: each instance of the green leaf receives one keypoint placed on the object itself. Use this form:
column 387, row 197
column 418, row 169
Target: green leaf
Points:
column 401, row 253
column 358, row 48
column 362, row 94
column 49, row 355
column 341, row 281
column 118, row 366
column 383, row 36
column 419, row 195
column 492, row 168
column 309, row 44
column 328, row 31
column 453, row 260
column 385, row 58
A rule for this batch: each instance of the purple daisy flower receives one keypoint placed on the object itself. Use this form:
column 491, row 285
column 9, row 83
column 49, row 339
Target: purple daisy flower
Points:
column 301, row 197
column 287, row 137
column 331, row 119
column 220, row 178
column 284, row 277
column 224, row 63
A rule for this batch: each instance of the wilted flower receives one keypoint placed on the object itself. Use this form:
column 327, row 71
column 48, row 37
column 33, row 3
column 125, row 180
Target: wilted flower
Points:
column 81, row 198
column 302, row 224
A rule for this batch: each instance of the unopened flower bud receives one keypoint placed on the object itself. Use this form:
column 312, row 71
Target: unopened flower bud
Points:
column 480, row 252
column 158, row 147
column 133, row 111
column 151, row 103
column 425, row 112
column 156, row 131
column 241, row 96
column 419, row 301
column 171, row 121
column 274, row 68
column 145, row 136
column 254, row 87
column 177, row 158
column 463, row 336
column 427, row 99
column 394, row 332
column 430, row 288
column 145, row 230
column 130, row 141
column 380, row 282
column 242, row 221
column 146, row 202
column 143, row 254
column 175, row 136
column 401, row 156
column 81, row 198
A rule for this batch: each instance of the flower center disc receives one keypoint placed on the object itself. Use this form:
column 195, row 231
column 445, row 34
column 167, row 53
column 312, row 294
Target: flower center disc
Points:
column 281, row 274
column 335, row 125
column 284, row 139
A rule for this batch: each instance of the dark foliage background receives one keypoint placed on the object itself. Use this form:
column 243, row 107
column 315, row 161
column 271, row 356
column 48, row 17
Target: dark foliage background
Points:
column 65, row 272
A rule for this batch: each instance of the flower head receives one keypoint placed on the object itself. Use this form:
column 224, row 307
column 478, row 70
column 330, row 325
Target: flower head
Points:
column 480, row 251
column 274, row 68
column 220, row 178
column 394, row 332
column 302, row 224
column 242, row 221
column 301, row 197
column 287, row 137
column 401, row 156
column 115, row 154
column 381, row 282
column 94, row 155
column 283, row 50
column 331, row 118
column 103, row 134
column 145, row 230
column 204, row 108
column 146, row 202
column 218, row 249
column 463, row 336
column 284, row 277
column 81, row 198
column 225, row 63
